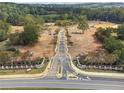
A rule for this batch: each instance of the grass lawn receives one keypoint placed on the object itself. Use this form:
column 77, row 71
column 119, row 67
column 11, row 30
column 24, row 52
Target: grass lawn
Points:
column 23, row 71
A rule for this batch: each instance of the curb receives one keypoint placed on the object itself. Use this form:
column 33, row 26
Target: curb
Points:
column 98, row 74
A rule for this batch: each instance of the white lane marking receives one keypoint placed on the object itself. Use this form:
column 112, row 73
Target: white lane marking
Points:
column 88, row 78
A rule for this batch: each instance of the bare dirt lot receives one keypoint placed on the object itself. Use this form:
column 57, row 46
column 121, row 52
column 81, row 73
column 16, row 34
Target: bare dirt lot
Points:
column 44, row 47
column 84, row 43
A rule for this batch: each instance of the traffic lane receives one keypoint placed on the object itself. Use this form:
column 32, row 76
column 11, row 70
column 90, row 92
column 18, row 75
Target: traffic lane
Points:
column 64, row 84
column 65, row 65
column 106, row 79
column 69, row 81
column 101, row 78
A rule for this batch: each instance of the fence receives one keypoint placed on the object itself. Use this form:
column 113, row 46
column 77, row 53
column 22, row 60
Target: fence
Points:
column 100, row 67
column 24, row 66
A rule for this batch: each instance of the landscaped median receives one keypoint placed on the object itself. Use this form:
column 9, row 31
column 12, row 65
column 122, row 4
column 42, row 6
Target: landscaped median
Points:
column 34, row 73
column 60, row 72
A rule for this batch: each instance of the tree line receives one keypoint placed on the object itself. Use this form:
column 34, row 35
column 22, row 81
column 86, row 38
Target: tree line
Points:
column 20, row 14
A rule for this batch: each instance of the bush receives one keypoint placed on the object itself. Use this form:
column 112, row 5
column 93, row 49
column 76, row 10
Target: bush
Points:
column 99, row 58
column 102, row 33
column 30, row 34
column 28, row 37
column 111, row 44
column 12, row 49
column 120, row 54
column 4, row 30
column 63, row 22
column 82, row 23
column 120, row 32
column 15, row 38
column 5, row 56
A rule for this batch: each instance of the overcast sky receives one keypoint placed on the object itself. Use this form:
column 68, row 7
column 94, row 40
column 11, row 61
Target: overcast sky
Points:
column 61, row 1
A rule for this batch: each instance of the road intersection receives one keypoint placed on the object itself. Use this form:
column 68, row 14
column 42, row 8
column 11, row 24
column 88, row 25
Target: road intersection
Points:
column 62, row 58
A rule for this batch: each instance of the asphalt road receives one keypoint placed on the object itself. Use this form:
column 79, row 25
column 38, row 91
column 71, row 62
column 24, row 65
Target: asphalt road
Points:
column 51, row 81
column 76, row 84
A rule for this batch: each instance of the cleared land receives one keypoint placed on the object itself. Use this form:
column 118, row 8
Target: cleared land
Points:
column 84, row 43
column 44, row 47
